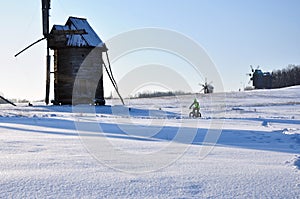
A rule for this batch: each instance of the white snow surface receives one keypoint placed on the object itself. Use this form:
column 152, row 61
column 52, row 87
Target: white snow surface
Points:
column 44, row 155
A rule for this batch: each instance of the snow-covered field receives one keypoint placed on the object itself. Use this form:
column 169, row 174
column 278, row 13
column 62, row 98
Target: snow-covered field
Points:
column 153, row 149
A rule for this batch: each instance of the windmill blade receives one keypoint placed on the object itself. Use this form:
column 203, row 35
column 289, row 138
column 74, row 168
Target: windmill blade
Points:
column 6, row 100
column 45, row 21
column 201, row 90
column 30, row 46
column 251, row 68
column 45, row 17
column 48, row 62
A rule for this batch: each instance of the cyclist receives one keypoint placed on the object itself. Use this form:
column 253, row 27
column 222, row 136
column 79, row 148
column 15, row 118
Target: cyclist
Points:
column 196, row 108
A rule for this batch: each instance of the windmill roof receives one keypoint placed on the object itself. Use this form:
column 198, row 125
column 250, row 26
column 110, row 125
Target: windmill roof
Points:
column 91, row 39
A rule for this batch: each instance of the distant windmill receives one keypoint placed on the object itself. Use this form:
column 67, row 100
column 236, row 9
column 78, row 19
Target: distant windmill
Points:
column 260, row 79
column 207, row 87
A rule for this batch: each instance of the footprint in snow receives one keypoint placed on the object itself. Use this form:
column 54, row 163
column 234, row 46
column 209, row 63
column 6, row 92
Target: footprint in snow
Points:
column 297, row 162
column 265, row 124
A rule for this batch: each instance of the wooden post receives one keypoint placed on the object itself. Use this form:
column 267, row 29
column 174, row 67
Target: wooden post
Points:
column 6, row 100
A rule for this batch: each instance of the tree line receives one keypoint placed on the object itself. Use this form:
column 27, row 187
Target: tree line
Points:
column 289, row 76
column 148, row 94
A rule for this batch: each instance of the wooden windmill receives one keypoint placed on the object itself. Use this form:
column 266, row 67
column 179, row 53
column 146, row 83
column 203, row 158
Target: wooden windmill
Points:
column 207, row 87
column 72, row 44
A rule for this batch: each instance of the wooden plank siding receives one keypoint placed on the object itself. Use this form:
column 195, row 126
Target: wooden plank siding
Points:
column 83, row 65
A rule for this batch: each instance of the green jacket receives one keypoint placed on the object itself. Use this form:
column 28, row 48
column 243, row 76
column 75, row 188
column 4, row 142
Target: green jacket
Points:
column 195, row 104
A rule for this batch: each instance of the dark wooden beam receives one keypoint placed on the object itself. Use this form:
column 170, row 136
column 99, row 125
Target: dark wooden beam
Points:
column 6, row 100
column 68, row 32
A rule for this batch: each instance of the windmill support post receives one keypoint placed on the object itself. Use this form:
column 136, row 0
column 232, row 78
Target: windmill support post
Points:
column 48, row 60
column 113, row 81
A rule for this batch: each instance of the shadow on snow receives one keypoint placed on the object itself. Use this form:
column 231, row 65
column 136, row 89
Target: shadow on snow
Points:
column 271, row 141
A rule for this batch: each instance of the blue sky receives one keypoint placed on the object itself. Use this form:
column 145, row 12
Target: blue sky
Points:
column 234, row 33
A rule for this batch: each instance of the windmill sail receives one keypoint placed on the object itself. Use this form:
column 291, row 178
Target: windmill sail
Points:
column 7, row 101
column 45, row 17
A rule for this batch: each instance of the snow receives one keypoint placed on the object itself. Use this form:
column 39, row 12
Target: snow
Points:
column 91, row 38
column 151, row 149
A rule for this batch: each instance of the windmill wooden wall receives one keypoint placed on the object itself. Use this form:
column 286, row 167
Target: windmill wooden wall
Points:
column 78, row 65
column 68, row 62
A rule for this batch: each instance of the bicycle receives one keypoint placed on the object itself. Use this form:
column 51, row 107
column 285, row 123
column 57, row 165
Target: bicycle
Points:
column 194, row 114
